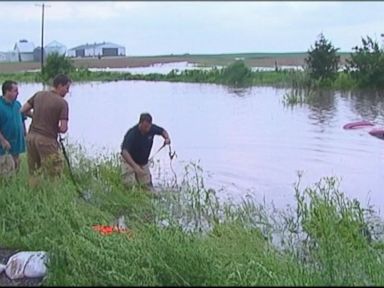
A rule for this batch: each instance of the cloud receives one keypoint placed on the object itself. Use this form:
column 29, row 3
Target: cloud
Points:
column 194, row 27
column 67, row 11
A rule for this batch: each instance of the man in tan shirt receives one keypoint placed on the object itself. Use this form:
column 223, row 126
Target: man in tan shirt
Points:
column 49, row 112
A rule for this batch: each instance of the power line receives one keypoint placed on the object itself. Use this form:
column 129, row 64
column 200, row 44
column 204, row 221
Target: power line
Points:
column 42, row 36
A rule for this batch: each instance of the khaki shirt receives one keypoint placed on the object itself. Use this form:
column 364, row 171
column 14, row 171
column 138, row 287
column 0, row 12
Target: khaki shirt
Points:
column 48, row 109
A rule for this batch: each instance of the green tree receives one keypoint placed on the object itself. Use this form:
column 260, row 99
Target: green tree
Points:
column 237, row 74
column 323, row 60
column 56, row 64
column 366, row 65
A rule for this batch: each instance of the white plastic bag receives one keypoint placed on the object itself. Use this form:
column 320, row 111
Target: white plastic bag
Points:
column 27, row 264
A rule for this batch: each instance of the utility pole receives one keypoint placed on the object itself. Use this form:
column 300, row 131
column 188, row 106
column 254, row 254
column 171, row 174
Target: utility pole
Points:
column 42, row 36
column 382, row 35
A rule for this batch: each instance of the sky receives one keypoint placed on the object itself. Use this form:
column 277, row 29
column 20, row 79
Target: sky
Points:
column 158, row 28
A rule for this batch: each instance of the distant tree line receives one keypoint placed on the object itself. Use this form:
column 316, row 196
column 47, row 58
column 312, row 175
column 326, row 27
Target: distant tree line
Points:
column 363, row 69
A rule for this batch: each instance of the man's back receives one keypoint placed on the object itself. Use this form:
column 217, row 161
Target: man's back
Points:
column 48, row 109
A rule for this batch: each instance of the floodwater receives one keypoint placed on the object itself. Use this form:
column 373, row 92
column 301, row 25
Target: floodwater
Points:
column 165, row 68
column 246, row 141
column 161, row 68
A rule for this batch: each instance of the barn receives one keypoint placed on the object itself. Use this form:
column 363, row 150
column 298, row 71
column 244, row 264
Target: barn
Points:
column 24, row 49
column 10, row 56
column 55, row 47
column 37, row 54
column 104, row 49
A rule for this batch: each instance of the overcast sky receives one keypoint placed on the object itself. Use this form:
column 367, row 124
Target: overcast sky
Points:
column 154, row 28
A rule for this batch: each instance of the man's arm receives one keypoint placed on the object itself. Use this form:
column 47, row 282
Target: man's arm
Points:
column 4, row 142
column 25, row 129
column 165, row 135
column 63, row 126
column 26, row 109
column 63, row 123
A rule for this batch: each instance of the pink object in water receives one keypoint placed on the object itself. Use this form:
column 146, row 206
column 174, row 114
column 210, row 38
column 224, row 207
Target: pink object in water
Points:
column 358, row 124
column 377, row 132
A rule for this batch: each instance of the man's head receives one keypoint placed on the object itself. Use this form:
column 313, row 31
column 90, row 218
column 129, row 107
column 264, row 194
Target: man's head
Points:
column 10, row 90
column 145, row 123
column 61, row 84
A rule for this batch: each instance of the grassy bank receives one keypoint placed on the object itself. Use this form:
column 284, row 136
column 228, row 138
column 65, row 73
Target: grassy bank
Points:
column 187, row 237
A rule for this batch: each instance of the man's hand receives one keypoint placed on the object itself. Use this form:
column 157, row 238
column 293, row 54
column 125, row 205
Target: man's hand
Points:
column 167, row 141
column 140, row 171
column 5, row 144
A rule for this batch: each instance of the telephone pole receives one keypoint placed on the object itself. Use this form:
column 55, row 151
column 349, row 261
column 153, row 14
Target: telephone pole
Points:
column 42, row 36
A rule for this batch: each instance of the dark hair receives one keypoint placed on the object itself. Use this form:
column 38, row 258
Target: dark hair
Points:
column 7, row 86
column 145, row 117
column 61, row 79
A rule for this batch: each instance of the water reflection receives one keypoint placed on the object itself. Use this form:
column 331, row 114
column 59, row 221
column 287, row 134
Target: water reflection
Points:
column 367, row 105
column 239, row 92
column 322, row 108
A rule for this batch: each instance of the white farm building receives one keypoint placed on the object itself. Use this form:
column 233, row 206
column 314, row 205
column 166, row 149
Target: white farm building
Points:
column 25, row 50
column 10, row 56
column 97, row 50
column 55, row 47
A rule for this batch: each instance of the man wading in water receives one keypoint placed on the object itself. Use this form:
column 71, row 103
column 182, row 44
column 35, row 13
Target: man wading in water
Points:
column 135, row 150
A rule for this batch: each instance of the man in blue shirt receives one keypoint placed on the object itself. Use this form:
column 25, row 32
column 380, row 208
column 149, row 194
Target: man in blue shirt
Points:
column 135, row 150
column 12, row 125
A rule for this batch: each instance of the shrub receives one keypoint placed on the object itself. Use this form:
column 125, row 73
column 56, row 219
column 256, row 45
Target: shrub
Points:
column 322, row 60
column 366, row 65
column 56, row 64
column 237, row 74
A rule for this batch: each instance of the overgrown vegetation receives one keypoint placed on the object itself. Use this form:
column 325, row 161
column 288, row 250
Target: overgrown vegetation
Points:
column 366, row 65
column 298, row 96
column 56, row 64
column 296, row 79
column 187, row 237
column 323, row 60
column 237, row 74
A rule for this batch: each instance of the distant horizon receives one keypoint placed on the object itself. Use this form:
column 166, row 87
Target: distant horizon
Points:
column 197, row 28
column 175, row 54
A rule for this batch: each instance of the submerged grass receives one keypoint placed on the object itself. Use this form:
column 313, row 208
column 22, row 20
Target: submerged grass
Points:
column 299, row 97
column 187, row 236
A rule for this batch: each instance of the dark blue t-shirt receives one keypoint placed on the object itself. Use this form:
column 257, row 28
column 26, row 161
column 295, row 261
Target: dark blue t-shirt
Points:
column 138, row 145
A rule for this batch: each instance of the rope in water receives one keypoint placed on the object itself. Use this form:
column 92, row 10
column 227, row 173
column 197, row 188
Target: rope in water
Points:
column 171, row 156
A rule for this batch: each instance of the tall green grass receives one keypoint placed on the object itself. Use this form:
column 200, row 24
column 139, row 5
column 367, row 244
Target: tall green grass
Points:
column 27, row 77
column 187, row 236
